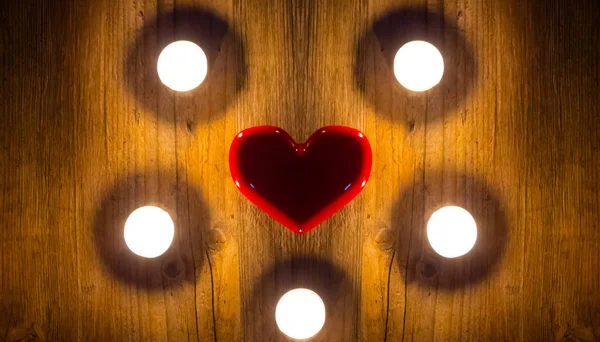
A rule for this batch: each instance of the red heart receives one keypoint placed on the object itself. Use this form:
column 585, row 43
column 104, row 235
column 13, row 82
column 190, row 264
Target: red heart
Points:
column 300, row 185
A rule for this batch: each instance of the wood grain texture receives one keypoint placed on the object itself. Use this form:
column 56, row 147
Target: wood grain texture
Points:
column 88, row 133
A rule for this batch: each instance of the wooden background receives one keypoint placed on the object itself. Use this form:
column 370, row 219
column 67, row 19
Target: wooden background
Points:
column 88, row 133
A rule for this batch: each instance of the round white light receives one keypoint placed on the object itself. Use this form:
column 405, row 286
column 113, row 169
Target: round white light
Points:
column 452, row 232
column 149, row 232
column 182, row 66
column 300, row 314
column 418, row 65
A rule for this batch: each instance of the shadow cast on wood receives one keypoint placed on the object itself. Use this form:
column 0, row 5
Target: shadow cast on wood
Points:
column 419, row 262
column 177, row 264
column 374, row 64
column 226, row 65
column 327, row 280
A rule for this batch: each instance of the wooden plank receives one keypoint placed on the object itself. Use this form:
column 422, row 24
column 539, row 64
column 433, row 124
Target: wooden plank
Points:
column 476, row 156
column 88, row 133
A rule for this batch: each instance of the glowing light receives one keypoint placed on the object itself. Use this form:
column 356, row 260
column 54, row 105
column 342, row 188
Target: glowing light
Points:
column 452, row 231
column 149, row 231
column 300, row 314
column 418, row 66
column 182, row 66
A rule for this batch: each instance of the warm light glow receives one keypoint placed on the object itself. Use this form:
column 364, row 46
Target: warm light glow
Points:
column 149, row 232
column 452, row 232
column 418, row 65
column 182, row 66
column 300, row 314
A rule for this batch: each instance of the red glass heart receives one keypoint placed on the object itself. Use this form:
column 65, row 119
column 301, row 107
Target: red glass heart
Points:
column 300, row 184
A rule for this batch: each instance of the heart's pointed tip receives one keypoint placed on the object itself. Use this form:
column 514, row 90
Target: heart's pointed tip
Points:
column 299, row 230
column 302, row 231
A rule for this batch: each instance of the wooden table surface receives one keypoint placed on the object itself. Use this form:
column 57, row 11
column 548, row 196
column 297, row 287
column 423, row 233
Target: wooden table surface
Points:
column 88, row 134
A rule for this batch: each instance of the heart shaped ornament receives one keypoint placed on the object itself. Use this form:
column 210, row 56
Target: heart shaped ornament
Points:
column 300, row 184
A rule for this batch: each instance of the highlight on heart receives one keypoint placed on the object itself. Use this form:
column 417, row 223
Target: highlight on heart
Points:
column 300, row 184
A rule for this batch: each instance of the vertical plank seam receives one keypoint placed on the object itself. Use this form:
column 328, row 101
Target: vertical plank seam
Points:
column 212, row 291
column 387, row 312
column 193, row 257
column 407, row 260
